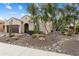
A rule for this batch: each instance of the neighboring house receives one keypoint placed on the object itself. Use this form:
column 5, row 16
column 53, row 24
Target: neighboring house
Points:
column 25, row 24
column 2, row 27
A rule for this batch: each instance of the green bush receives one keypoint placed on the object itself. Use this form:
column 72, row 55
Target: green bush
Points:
column 36, row 30
column 77, row 28
column 63, row 29
column 34, row 36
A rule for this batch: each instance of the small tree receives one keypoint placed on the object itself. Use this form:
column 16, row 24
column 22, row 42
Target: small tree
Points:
column 10, row 28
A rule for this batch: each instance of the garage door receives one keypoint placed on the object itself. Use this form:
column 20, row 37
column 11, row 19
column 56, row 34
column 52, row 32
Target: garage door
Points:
column 13, row 28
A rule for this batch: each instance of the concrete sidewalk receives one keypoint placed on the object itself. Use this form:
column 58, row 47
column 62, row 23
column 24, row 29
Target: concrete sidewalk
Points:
column 13, row 50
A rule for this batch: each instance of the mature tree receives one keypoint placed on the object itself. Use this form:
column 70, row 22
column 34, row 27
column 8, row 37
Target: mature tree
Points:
column 60, row 17
column 33, row 10
column 52, row 13
column 47, row 13
column 72, row 13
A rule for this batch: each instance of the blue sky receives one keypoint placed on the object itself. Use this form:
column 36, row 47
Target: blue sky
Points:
column 18, row 10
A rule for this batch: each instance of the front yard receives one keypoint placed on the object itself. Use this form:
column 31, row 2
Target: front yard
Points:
column 54, row 42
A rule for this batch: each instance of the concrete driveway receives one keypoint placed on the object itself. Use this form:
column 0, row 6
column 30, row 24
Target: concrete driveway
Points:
column 13, row 50
column 2, row 34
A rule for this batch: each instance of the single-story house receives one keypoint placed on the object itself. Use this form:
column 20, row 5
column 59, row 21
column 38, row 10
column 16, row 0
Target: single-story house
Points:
column 24, row 25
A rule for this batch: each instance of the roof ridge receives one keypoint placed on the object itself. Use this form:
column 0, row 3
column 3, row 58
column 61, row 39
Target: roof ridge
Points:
column 14, row 18
column 25, row 16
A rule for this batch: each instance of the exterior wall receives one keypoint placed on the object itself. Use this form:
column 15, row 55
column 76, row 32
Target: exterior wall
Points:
column 48, row 25
column 14, row 22
column 1, row 26
column 42, row 24
column 27, row 20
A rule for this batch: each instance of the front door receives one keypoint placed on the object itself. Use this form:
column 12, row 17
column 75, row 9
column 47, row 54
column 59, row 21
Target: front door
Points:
column 26, row 28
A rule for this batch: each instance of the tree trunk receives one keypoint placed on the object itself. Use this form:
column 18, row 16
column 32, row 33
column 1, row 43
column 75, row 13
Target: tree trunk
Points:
column 74, row 27
column 45, row 27
column 10, row 29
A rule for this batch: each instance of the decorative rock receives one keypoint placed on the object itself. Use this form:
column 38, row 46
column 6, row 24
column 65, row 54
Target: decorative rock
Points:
column 59, row 50
column 49, row 48
column 41, row 38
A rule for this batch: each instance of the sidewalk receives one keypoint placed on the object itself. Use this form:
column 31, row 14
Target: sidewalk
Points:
column 13, row 50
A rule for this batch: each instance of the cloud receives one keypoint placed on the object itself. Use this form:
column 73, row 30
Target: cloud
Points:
column 8, row 7
column 20, row 7
column 1, row 18
column 23, row 14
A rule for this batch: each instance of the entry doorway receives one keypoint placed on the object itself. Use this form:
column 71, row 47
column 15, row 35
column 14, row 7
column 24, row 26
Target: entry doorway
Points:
column 26, row 28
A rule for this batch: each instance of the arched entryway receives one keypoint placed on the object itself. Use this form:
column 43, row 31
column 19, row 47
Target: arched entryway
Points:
column 26, row 28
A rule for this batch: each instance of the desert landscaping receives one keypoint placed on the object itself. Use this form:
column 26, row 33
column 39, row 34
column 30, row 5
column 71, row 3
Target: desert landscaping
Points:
column 54, row 42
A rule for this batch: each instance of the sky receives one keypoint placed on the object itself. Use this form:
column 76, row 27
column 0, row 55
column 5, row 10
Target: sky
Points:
column 17, row 10
column 8, row 10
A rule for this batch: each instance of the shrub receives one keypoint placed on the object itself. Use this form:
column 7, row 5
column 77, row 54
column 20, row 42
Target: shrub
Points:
column 63, row 29
column 70, row 32
column 77, row 28
column 34, row 36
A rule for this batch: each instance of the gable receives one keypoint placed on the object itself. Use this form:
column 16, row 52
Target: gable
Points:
column 13, row 21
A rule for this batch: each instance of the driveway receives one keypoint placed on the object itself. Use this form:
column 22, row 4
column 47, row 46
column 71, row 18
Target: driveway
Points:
column 2, row 34
column 13, row 50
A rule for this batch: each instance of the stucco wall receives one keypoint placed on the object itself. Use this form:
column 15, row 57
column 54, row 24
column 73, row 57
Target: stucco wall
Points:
column 27, row 20
column 42, row 24
column 2, row 26
column 45, row 27
column 14, row 22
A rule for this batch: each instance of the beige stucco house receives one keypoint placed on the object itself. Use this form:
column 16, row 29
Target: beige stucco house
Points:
column 19, row 25
column 25, row 24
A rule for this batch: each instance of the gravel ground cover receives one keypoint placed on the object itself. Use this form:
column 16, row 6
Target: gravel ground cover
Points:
column 54, row 42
